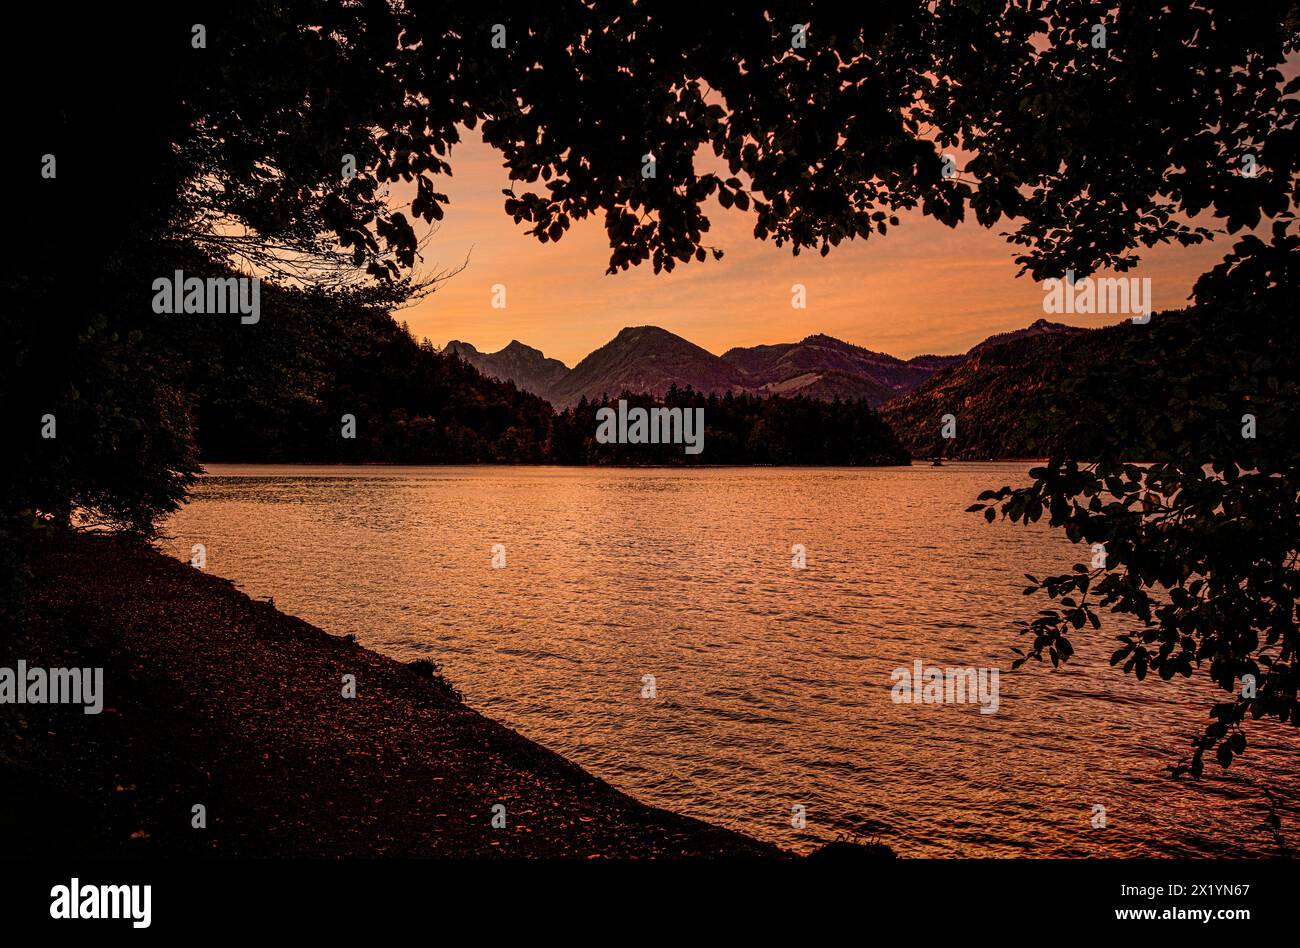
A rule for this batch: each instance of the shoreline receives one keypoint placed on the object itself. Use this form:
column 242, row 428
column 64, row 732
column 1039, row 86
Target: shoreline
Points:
column 217, row 700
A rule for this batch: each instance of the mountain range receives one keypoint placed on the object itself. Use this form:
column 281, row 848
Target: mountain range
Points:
column 650, row 360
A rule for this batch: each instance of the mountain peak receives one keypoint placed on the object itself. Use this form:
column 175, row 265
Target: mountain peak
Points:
column 647, row 359
column 527, row 367
column 649, row 332
column 1038, row 327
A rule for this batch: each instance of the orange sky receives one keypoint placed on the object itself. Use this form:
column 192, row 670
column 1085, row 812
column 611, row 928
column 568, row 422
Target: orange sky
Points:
column 922, row 288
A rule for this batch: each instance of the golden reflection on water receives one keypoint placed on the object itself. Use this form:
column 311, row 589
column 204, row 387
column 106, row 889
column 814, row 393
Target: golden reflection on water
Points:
column 773, row 683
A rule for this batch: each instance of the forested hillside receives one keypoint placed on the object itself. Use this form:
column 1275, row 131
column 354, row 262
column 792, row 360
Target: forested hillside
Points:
column 1038, row 394
column 278, row 390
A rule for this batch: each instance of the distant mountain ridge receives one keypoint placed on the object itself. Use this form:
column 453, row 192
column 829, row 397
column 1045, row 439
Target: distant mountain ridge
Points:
column 825, row 363
column 1041, row 327
column 1088, row 392
column 996, row 394
column 651, row 360
column 527, row 367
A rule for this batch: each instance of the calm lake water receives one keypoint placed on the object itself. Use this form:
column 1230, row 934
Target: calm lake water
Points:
column 773, row 684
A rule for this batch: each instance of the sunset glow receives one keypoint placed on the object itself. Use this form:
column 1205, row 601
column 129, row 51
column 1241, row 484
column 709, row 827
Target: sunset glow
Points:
column 921, row 289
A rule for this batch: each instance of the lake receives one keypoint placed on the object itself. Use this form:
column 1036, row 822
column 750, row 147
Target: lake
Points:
column 771, row 685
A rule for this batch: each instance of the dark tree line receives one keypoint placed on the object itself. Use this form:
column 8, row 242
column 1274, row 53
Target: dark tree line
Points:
column 739, row 429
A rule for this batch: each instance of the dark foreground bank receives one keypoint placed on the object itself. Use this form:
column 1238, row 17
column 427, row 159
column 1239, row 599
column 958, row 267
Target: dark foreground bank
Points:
column 213, row 699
